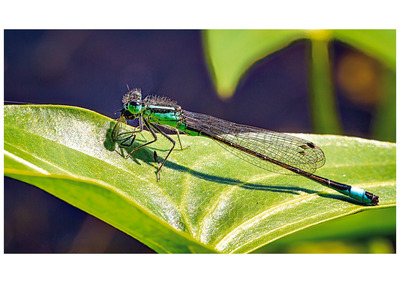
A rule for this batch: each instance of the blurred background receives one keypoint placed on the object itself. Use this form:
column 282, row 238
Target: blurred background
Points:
column 91, row 69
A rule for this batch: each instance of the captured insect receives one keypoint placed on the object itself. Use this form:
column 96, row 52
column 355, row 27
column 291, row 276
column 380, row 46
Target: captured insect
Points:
column 275, row 152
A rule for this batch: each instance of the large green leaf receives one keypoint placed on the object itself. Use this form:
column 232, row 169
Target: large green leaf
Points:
column 207, row 200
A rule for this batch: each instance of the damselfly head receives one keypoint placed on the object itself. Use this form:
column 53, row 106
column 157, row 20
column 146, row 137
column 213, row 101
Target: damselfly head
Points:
column 133, row 101
column 134, row 95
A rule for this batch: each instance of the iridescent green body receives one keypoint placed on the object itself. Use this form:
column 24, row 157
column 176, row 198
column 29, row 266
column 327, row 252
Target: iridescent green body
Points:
column 163, row 115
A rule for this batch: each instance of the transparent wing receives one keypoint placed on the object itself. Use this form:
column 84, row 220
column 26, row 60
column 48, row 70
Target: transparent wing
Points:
column 284, row 148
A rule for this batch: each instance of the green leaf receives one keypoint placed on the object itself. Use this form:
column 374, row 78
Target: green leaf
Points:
column 380, row 44
column 208, row 200
column 360, row 228
column 230, row 53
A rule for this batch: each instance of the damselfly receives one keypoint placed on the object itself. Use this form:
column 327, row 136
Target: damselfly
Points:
column 276, row 152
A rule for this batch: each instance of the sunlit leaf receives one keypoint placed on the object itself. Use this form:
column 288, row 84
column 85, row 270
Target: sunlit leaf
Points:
column 208, row 200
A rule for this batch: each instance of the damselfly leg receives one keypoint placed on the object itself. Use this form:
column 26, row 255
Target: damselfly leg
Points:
column 169, row 152
column 128, row 140
column 180, row 143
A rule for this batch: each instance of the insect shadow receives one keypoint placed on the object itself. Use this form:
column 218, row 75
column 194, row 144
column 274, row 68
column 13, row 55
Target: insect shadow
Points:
column 145, row 154
column 149, row 156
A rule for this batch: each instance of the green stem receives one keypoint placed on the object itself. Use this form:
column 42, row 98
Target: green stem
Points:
column 384, row 123
column 322, row 99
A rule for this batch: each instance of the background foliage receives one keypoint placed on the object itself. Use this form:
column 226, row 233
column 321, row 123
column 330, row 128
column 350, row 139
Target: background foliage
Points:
column 231, row 53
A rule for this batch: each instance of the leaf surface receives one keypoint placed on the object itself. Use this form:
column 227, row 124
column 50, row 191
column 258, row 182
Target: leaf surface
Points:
column 208, row 200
